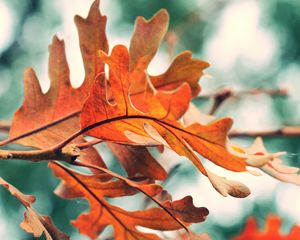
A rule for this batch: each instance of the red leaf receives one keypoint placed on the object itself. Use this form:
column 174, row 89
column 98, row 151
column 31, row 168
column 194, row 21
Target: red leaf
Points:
column 103, row 214
column 271, row 230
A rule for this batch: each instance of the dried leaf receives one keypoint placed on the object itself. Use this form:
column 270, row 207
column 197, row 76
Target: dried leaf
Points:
column 112, row 122
column 138, row 160
column 34, row 223
column 145, row 41
column 259, row 157
column 58, row 108
column 103, row 214
column 193, row 115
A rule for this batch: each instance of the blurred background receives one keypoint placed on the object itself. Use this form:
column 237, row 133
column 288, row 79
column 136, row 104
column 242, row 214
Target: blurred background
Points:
column 250, row 44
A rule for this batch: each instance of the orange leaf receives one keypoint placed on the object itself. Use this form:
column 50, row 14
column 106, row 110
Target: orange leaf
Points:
column 103, row 214
column 145, row 41
column 34, row 223
column 271, row 230
column 120, row 121
column 138, row 160
column 56, row 112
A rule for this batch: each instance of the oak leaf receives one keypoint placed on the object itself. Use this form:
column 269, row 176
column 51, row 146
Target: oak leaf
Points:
column 118, row 120
column 34, row 223
column 270, row 163
column 138, row 160
column 270, row 231
column 102, row 214
column 54, row 115
column 145, row 41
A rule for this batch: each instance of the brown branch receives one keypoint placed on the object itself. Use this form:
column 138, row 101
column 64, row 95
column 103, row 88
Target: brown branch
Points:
column 66, row 154
column 4, row 125
column 283, row 132
column 222, row 95
column 226, row 92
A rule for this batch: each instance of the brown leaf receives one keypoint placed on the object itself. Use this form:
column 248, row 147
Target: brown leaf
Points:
column 186, row 211
column 146, row 38
column 183, row 69
column 92, row 38
column 145, row 41
column 103, row 214
column 58, row 108
column 138, row 160
column 34, row 223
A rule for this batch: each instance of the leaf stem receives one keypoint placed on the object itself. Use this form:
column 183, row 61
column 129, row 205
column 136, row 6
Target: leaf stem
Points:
column 85, row 145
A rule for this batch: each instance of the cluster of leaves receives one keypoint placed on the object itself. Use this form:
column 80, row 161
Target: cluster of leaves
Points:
column 130, row 111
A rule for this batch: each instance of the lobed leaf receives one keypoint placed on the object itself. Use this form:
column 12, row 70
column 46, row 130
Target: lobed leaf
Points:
column 102, row 214
column 55, row 114
column 34, row 223
column 112, row 122
column 270, row 231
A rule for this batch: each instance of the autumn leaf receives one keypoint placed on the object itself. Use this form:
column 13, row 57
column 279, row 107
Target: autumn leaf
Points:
column 270, row 231
column 58, row 109
column 145, row 41
column 34, row 223
column 102, row 214
column 193, row 115
column 54, row 115
column 193, row 236
column 269, row 163
column 138, row 160
column 119, row 121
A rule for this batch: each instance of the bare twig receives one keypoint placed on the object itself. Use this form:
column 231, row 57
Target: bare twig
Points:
column 283, row 132
column 229, row 92
column 220, row 96
column 4, row 125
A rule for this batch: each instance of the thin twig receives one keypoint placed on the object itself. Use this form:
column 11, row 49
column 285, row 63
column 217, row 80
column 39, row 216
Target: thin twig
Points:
column 255, row 91
column 222, row 95
column 4, row 125
column 283, row 132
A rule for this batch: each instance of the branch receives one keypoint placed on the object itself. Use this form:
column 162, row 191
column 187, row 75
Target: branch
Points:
column 66, row 154
column 222, row 95
column 283, row 132
column 4, row 126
